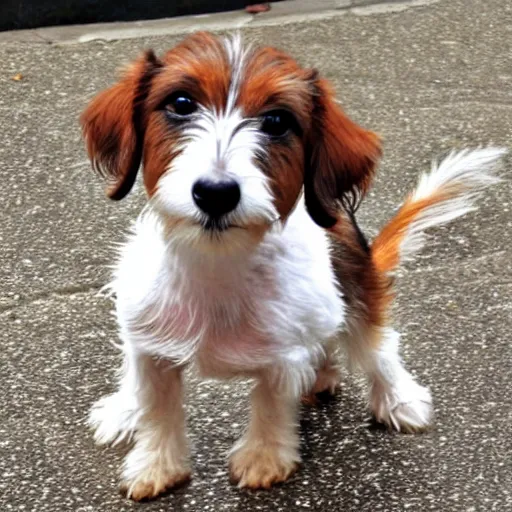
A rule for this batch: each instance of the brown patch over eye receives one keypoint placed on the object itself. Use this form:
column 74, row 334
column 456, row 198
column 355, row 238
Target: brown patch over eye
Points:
column 273, row 81
column 196, row 72
column 276, row 90
column 198, row 67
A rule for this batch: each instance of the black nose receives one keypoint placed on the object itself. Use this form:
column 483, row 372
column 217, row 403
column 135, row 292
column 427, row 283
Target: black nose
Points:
column 216, row 198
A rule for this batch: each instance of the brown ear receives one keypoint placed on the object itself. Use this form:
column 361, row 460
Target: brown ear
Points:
column 340, row 159
column 113, row 126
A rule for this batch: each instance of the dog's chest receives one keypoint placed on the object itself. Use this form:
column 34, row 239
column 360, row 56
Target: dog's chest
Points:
column 225, row 320
column 233, row 316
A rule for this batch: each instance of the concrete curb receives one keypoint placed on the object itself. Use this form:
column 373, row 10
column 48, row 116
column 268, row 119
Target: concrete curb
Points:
column 282, row 13
column 33, row 14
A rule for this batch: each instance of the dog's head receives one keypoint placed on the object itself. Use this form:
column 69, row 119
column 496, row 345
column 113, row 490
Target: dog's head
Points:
column 228, row 138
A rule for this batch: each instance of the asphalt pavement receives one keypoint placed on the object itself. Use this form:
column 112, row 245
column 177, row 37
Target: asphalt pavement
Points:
column 428, row 76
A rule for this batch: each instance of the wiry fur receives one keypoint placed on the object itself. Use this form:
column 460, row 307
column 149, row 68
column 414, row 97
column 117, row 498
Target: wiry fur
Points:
column 269, row 294
column 447, row 192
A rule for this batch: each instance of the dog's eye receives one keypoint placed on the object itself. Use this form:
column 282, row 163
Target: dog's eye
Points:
column 181, row 105
column 277, row 123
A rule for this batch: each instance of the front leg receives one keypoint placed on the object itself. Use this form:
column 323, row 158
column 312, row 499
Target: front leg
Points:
column 328, row 374
column 149, row 406
column 159, row 459
column 268, row 453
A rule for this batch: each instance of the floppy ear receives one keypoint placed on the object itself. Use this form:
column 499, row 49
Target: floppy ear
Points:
column 340, row 159
column 113, row 125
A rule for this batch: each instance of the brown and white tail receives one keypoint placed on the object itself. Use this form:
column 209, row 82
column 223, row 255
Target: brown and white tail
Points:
column 444, row 194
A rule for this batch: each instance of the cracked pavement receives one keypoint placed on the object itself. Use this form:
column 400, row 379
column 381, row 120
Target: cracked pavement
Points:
column 428, row 78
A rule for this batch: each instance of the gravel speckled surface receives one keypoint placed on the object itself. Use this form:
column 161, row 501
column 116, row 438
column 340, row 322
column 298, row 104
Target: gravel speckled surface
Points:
column 426, row 79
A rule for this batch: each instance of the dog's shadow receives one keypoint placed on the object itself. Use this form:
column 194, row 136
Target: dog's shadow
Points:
column 320, row 422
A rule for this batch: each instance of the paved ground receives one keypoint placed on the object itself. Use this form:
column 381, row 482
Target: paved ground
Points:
column 427, row 78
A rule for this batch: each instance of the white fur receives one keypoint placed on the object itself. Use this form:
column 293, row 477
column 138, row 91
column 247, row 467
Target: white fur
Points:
column 462, row 174
column 396, row 399
column 237, row 56
column 269, row 451
column 272, row 304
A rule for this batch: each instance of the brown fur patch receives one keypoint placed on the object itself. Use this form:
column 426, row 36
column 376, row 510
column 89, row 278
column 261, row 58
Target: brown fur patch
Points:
column 367, row 291
column 386, row 247
column 342, row 159
column 363, row 272
column 198, row 65
column 159, row 150
column 285, row 169
column 272, row 79
column 112, row 127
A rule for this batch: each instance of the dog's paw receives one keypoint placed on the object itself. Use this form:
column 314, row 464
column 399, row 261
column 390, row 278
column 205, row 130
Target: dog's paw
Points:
column 113, row 418
column 407, row 408
column 154, row 481
column 259, row 467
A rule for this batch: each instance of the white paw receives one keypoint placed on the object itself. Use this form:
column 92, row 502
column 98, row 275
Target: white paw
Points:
column 259, row 467
column 157, row 462
column 113, row 418
column 407, row 407
column 153, row 481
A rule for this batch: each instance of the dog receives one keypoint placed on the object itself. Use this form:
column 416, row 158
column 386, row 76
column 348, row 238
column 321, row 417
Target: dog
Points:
column 247, row 260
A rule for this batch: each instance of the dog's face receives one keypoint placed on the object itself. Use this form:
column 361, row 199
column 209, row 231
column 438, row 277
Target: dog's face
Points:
column 228, row 138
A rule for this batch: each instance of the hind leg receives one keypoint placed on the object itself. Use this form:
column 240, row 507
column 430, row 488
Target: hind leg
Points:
column 327, row 375
column 327, row 378
column 396, row 399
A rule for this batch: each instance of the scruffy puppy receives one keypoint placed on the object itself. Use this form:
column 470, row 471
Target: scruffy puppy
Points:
column 247, row 260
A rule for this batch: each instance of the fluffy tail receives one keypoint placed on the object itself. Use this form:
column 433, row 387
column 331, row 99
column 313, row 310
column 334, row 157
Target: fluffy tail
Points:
column 447, row 192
